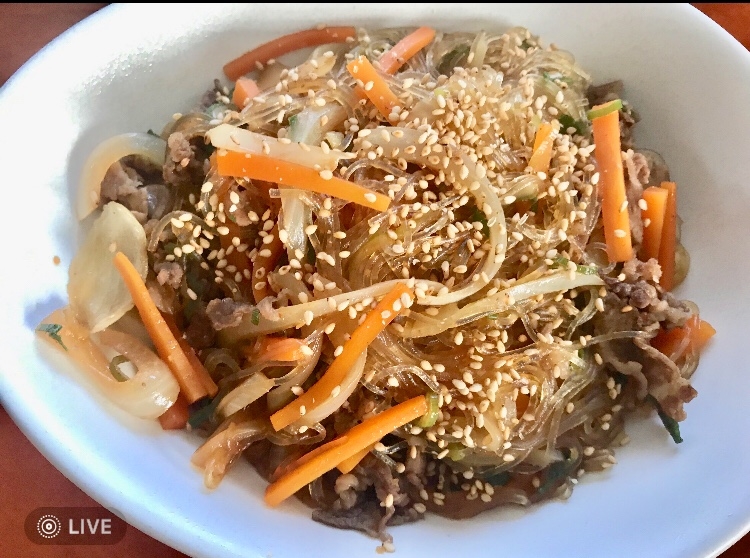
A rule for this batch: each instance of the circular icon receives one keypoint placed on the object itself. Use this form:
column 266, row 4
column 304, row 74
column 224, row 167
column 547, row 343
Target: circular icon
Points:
column 48, row 526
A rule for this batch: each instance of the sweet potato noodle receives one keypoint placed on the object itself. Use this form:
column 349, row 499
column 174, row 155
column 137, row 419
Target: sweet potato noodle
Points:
column 395, row 248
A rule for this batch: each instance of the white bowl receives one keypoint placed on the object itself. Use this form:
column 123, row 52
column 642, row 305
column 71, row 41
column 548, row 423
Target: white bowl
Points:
column 128, row 68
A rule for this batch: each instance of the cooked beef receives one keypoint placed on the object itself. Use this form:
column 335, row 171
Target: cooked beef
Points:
column 358, row 506
column 165, row 298
column 200, row 332
column 122, row 184
column 653, row 372
column 598, row 94
column 657, row 166
column 169, row 273
column 636, row 176
column 226, row 312
column 183, row 167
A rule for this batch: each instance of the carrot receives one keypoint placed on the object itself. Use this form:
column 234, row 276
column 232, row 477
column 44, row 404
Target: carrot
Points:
column 195, row 362
column 191, row 385
column 375, row 322
column 379, row 93
column 286, row 467
column 656, row 205
column 696, row 331
column 668, row 237
column 614, row 210
column 263, row 167
column 542, row 152
column 280, row 46
column 405, row 49
column 284, row 349
column 245, row 90
column 358, row 438
column 176, row 417
column 265, row 261
column 348, row 464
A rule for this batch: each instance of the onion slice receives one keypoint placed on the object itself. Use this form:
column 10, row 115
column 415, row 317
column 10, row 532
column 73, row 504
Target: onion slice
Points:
column 105, row 155
column 96, row 291
column 232, row 138
column 150, row 392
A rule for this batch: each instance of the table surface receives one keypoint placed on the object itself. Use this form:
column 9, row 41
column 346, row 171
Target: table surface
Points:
column 24, row 29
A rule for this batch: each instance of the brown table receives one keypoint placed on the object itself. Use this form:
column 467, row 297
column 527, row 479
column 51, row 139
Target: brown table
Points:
column 29, row 480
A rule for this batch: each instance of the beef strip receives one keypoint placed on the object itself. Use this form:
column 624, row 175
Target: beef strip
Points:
column 226, row 312
column 200, row 332
column 183, row 166
column 122, row 184
column 374, row 482
column 653, row 372
column 169, row 273
column 637, row 176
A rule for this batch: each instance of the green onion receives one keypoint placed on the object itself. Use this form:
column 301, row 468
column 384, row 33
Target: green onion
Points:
column 114, row 367
column 433, row 412
column 456, row 452
column 583, row 269
column 53, row 330
column 479, row 216
column 567, row 121
column 605, row 109
column 455, row 57
column 672, row 426
column 255, row 317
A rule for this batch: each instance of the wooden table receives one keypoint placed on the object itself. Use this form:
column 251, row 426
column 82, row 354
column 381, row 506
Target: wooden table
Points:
column 29, row 480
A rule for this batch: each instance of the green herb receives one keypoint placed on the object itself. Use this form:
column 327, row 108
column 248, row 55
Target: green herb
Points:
column 255, row 317
column 433, row 412
column 498, row 479
column 605, row 109
column 479, row 216
column 583, row 269
column 555, row 473
column 557, row 76
column 114, row 368
column 567, row 121
column 672, row 426
column 455, row 57
column 493, row 316
column 53, row 330
column 456, row 452
column 204, row 410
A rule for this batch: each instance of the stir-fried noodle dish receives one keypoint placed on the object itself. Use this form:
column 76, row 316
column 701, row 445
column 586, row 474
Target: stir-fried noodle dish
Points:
column 418, row 271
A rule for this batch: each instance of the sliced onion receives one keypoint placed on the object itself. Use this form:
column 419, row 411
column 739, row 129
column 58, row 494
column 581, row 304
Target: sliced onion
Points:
column 499, row 302
column 232, row 138
column 97, row 293
column 249, row 391
column 150, row 392
column 105, row 155
column 218, row 453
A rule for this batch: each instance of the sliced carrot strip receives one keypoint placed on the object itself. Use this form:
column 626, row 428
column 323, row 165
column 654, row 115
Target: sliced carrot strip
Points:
column 280, row 46
column 542, row 152
column 284, row 173
column 668, row 244
column 612, row 182
column 195, row 362
column 375, row 322
column 191, row 385
column 374, row 85
column 358, row 438
column 405, row 49
column 348, row 464
column 245, row 90
column 696, row 331
column 176, row 417
column 656, row 205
